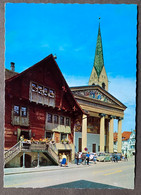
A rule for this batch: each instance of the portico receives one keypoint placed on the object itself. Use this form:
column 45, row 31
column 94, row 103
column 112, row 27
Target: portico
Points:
column 100, row 117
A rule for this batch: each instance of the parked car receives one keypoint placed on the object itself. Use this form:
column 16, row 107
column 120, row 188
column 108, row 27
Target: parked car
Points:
column 102, row 157
column 91, row 156
column 116, row 157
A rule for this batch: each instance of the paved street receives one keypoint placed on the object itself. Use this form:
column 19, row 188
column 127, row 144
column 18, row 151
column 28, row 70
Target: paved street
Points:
column 100, row 175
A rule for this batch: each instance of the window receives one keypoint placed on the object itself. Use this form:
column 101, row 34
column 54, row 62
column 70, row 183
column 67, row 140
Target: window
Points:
column 61, row 120
column 63, row 136
column 51, row 93
column 67, row 122
column 103, row 85
column 98, row 148
column 45, row 91
column 23, row 111
column 42, row 94
column 49, row 118
column 16, row 110
column 20, row 116
column 40, row 90
column 55, row 119
column 49, row 135
column 34, row 87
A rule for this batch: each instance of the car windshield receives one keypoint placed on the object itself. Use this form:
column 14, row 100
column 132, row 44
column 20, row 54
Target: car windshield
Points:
column 101, row 154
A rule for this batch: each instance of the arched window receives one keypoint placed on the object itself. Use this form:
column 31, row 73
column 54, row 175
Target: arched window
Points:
column 93, row 84
column 103, row 85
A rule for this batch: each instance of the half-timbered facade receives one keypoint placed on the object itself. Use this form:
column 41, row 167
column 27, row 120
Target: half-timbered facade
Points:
column 39, row 105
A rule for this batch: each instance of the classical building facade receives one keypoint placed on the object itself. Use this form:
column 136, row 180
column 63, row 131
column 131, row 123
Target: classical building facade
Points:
column 94, row 130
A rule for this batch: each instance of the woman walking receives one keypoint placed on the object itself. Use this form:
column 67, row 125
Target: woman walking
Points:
column 94, row 158
column 64, row 160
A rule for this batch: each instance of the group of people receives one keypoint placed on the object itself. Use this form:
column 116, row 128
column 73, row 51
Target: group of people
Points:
column 84, row 158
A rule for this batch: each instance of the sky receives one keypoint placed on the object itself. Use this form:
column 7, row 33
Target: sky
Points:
column 33, row 31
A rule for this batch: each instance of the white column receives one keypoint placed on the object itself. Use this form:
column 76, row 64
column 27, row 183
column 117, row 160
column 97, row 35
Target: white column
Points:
column 84, row 132
column 111, row 137
column 23, row 159
column 38, row 162
column 102, row 132
column 119, row 135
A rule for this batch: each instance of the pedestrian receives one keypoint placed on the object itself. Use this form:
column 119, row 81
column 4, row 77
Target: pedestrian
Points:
column 80, row 156
column 60, row 159
column 87, row 158
column 116, row 158
column 126, row 158
column 83, row 159
column 77, row 157
column 94, row 158
column 64, row 160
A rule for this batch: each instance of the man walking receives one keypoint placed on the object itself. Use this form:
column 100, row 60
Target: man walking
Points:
column 77, row 158
column 126, row 158
column 87, row 158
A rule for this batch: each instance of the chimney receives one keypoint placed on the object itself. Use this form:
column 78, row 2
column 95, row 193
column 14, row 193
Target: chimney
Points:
column 12, row 66
column 55, row 56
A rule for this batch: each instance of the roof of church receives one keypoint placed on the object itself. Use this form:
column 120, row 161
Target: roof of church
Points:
column 98, row 61
column 90, row 88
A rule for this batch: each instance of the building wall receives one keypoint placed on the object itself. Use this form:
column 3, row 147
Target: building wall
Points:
column 102, row 78
column 36, row 122
column 16, row 162
column 19, row 92
column 91, row 139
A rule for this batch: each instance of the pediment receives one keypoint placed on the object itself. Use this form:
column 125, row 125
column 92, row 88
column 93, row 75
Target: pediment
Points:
column 98, row 94
column 94, row 94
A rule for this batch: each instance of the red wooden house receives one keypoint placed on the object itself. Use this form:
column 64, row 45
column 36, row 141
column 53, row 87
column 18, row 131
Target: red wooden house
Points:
column 39, row 104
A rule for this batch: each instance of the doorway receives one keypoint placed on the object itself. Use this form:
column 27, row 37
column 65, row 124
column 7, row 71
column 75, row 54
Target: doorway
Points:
column 27, row 161
column 80, row 145
column 26, row 134
column 94, row 148
column 67, row 153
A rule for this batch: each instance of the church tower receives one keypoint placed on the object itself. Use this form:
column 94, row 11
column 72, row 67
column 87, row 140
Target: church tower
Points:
column 98, row 75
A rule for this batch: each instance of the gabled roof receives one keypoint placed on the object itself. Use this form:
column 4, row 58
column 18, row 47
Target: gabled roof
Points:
column 9, row 74
column 98, row 61
column 112, row 99
column 125, row 136
column 61, row 80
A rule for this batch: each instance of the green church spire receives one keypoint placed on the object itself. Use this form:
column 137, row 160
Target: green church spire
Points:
column 98, row 75
column 98, row 61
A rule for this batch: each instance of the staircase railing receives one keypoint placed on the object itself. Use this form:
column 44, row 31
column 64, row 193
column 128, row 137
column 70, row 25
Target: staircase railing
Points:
column 17, row 148
column 53, row 153
column 12, row 152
